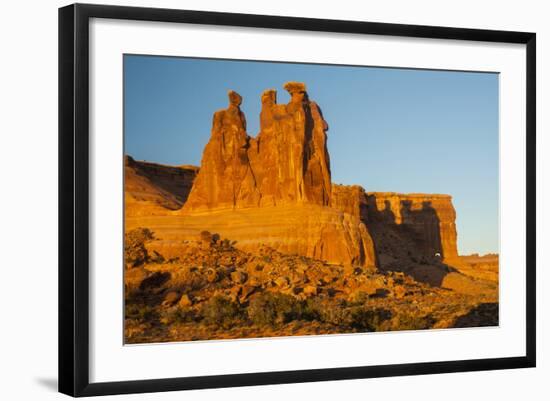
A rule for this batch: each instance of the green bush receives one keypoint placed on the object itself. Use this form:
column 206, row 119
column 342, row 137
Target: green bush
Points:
column 135, row 252
column 335, row 313
column 225, row 245
column 271, row 308
column 221, row 311
column 345, row 316
column 182, row 315
column 142, row 313
column 406, row 321
column 369, row 320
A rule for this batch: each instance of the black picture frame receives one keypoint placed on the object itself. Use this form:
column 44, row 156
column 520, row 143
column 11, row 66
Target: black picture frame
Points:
column 74, row 198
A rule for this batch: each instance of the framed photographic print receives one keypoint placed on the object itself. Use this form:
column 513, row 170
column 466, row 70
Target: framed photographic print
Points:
column 249, row 199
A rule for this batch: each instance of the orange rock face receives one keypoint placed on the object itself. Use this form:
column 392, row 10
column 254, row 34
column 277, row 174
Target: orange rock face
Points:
column 287, row 163
column 403, row 226
column 427, row 219
column 155, row 189
column 350, row 199
column 225, row 179
column 279, row 182
column 319, row 232
column 289, row 156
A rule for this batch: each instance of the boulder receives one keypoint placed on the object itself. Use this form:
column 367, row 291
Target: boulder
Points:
column 212, row 275
column 171, row 298
column 246, row 291
column 310, row 290
column 185, row 301
column 239, row 277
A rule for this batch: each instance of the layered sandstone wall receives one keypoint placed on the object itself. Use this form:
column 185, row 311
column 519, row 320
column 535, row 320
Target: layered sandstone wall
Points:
column 429, row 218
column 314, row 231
column 350, row 199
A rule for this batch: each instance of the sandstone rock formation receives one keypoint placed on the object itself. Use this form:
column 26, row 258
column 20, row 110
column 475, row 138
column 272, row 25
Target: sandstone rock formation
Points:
column 225, row 179
column 289, row 156
column 279, row 182
column 275, row 190
column 155, row 189
column 403, row 226
column 259, row 242
column 287, row 163
column 315, row 231
column 350, row 199
column 428, row 220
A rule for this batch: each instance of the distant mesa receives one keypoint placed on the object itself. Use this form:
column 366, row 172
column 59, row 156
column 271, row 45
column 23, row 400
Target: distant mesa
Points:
column 275, row 189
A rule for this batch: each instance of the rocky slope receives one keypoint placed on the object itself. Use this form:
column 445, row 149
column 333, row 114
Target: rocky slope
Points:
column 206, row 288
column 155, row 189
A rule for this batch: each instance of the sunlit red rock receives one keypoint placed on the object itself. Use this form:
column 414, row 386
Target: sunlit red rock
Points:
column 275, row 189
column 279, row 182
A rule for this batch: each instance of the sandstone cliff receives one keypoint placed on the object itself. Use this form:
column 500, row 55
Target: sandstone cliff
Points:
column 275, row 189
column 425, row 220
column 403, row 226
column 155, row 189
column 318, row 232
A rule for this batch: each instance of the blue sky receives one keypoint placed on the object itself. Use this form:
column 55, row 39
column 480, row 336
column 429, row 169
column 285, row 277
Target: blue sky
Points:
column 390, row 129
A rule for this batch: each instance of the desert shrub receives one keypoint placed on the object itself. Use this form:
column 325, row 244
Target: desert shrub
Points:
column 312, row 308
column 345, row 315
column 191, row 280
column 135, row 252
column 206, row 236
column 407, row 321
column 259, row 268
column 156, row 258
column 335, row 313
column 360, row 297
column 369, row 319
column 182, row 315
column 485, row 314
column 155, row 280
column 225, row 245
column 271, row 308
column 221, row 311
column 142, row 313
